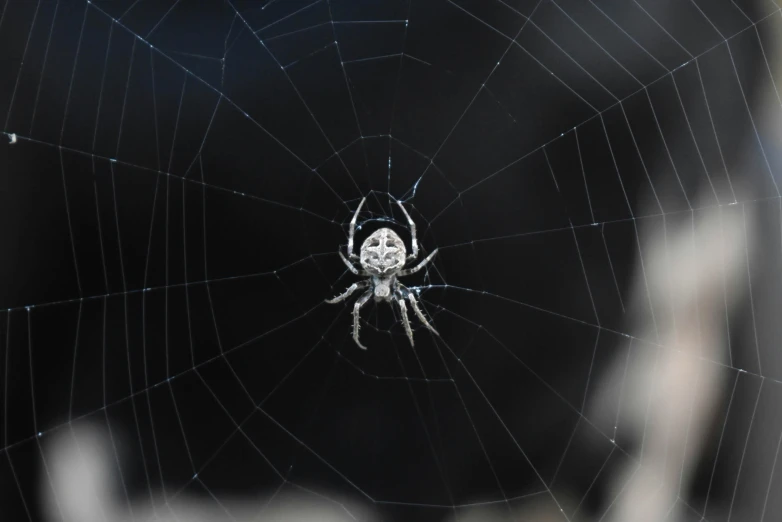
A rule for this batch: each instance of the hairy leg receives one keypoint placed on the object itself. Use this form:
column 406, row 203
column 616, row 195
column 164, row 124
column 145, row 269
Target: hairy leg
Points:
column 419, row 266
column 350, row 266
column 400, row 299
column 348, row 292
column 411, row 224
column 356, row 308
column 419, row 313
column 351, row 255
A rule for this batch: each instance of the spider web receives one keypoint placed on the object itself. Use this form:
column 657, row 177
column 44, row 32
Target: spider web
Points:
column 179, row 177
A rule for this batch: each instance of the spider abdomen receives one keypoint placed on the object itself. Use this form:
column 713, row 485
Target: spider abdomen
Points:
column 383, row 253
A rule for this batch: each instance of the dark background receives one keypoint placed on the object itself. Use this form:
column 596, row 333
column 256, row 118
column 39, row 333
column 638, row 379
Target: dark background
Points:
column 171, row 212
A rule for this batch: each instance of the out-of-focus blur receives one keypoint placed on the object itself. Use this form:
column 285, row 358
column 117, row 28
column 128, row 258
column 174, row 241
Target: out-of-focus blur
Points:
column 600, row 180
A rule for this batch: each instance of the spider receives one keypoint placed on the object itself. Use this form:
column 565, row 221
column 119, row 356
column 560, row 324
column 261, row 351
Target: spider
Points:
column 383, row 257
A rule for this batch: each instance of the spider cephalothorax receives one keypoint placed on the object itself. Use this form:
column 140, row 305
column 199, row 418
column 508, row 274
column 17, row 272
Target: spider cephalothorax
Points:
column 383, row 256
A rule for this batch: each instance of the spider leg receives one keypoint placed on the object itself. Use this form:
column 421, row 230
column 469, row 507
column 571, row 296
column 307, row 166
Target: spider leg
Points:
column 418, row 267
column 356, row 307
column 350, row 265
column 419, row 313
column 405, row 320
column 346, row 294
column 411, row 223
column 351, row 255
